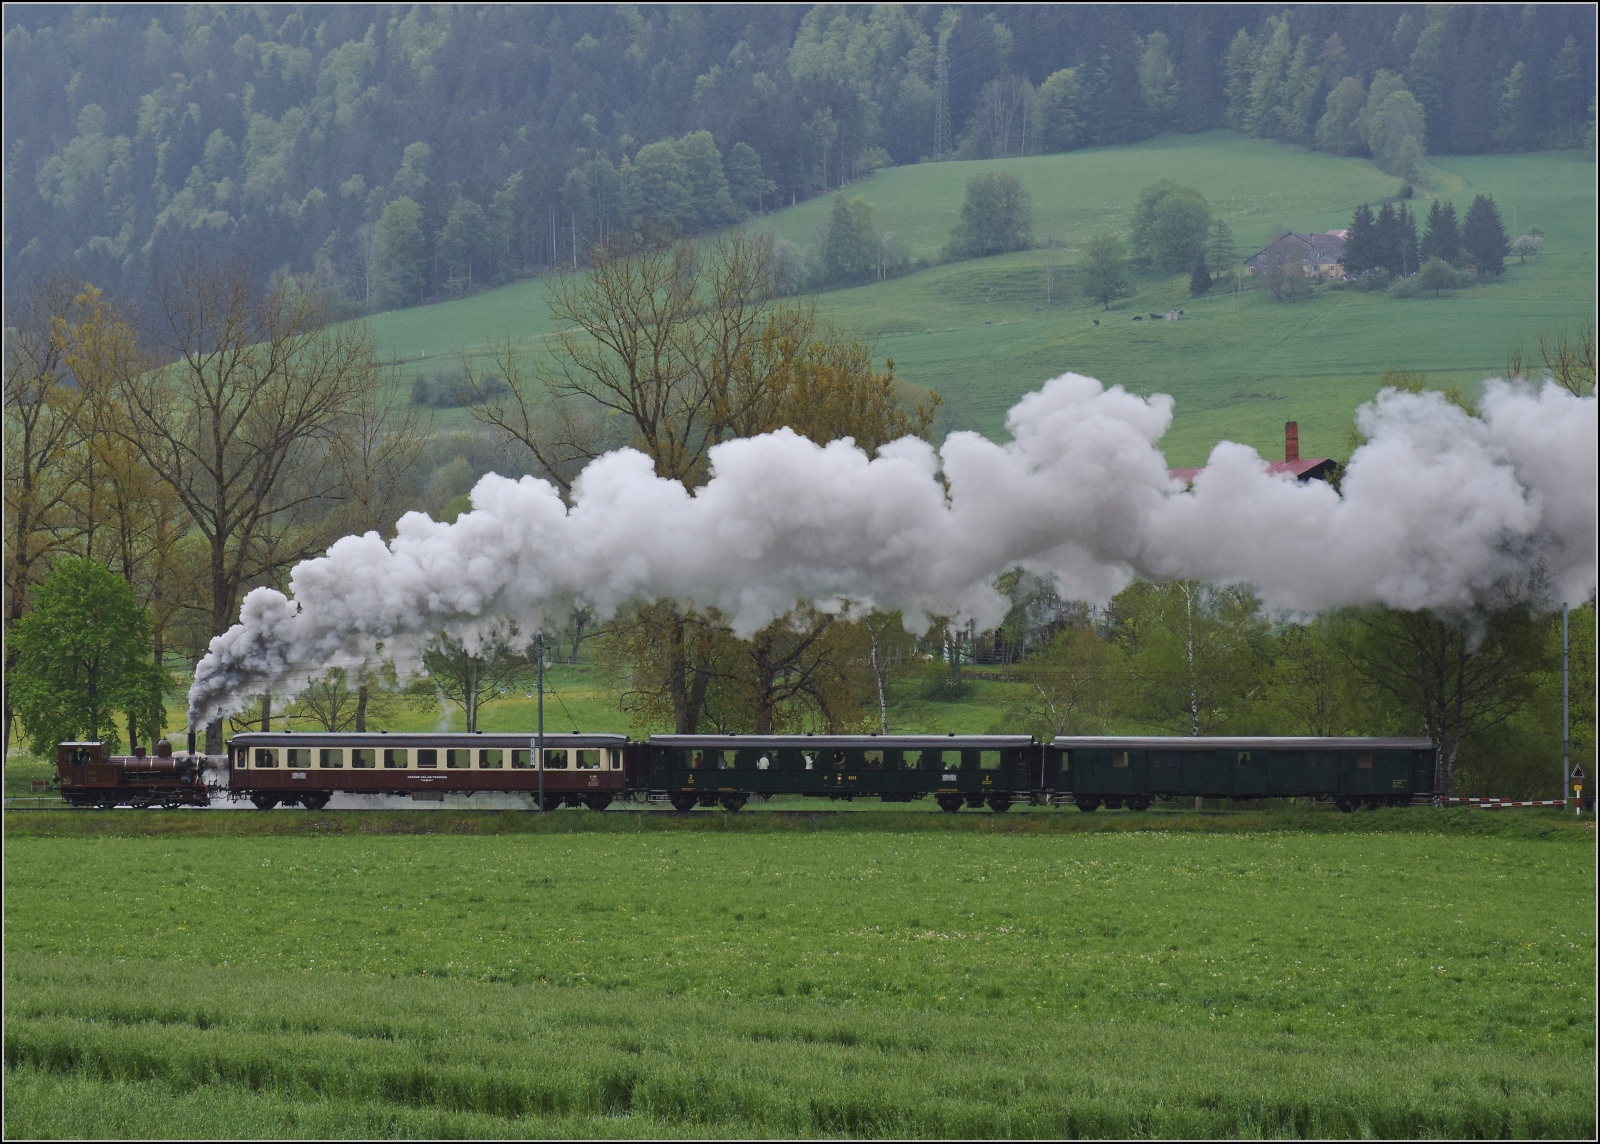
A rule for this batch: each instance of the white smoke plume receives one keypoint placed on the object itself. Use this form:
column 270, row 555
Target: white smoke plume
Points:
column 1438, row 509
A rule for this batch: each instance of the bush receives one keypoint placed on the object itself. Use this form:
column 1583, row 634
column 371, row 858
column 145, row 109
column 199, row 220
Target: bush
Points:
column 451, row 389
column 1404, row 288
column 1371, row 281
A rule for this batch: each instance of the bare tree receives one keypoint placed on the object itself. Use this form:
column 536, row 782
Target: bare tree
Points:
column 1571, row 362
column 468, row 676
column 1447, row 677
column 678, row 342
column 43, row 428
column 242, row 424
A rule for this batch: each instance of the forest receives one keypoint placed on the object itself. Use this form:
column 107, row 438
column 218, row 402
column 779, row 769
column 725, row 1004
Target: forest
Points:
column 396, row 154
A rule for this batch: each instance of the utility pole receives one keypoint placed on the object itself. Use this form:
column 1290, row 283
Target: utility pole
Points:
column 1566, row 740
column 538, row 737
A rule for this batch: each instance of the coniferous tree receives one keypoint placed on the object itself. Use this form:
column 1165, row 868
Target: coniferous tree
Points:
column 1200, row 279
column 1386, row 239
column 1442, row 239
column 1484, row 237
column 1360, row 246
column 1409, row 254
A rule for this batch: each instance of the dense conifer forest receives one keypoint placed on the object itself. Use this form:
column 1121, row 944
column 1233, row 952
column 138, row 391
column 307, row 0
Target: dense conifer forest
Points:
column 400, row 154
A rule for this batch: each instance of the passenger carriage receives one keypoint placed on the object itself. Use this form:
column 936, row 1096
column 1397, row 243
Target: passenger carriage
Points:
column 725, row 770
column 307, row 768
column 1094, row 770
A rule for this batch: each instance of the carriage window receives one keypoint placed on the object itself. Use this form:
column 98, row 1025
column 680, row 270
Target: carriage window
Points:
column 363, row 758
column 427, row 757
column 555, row 760
column 522, row 759
column 725, row 760
column 912, row 760
column 331, row 757
column 1244, row 759
column 588, row 760
column 458, row 759
column 490, row 759
column 266, row 756
column 616, row 760
column 299, row 756
column 394, row 758
column 1119, row 759
column 764, row 763
column 990, row 760
column 697, row 760
column 811, row 761
column 1364, row 762
column 874, row 760
column 949, row 760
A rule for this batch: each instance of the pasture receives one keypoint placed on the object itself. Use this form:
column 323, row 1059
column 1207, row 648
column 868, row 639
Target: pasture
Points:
column 982, row 334
column 620, row 975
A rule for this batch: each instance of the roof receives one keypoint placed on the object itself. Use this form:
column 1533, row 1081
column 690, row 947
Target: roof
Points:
column 420, row 739
column 1320, row 248
column 1308, row 469
column 851, row 742
column 1245, row 743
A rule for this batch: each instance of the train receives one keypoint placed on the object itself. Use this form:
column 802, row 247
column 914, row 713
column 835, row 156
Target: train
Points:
column 686, row 772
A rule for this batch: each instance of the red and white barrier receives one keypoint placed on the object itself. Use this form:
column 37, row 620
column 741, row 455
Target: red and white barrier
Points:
column 1493, row 803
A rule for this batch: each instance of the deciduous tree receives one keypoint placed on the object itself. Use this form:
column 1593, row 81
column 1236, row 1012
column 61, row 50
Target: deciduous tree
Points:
column 83, row 656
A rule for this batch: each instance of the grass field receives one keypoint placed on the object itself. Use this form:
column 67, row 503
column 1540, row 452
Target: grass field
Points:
column 980, row 333
column 1387, row 975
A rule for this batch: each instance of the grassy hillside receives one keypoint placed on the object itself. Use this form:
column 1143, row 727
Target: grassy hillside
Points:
column 1239, row 366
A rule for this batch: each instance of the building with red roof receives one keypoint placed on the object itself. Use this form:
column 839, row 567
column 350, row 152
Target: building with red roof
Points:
column 1302, row 469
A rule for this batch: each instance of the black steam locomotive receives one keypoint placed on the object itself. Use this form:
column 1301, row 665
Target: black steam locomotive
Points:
column 687, row 771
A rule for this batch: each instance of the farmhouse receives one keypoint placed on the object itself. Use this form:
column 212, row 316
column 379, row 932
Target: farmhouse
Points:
column 1309, row 469
column 1319, row 254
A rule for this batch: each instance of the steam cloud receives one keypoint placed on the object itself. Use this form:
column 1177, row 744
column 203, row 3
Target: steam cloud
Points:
column 1439, row 509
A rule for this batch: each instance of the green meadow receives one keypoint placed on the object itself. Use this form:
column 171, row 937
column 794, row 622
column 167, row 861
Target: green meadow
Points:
column 1238, row 365
column 185, row 975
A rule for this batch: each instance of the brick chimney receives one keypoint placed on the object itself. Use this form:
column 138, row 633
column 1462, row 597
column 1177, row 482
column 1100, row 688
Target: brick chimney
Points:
column 1291, row 441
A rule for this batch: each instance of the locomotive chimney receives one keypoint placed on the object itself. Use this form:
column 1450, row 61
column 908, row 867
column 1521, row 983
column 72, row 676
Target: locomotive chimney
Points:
column 191, row 741
column 1291, row 441
column 138, row 751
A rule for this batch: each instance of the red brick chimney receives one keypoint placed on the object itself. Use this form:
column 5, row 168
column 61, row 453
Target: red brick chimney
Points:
column 1291, row 441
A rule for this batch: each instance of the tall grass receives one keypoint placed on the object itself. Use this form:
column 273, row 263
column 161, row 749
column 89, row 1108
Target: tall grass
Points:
column 103, row 1049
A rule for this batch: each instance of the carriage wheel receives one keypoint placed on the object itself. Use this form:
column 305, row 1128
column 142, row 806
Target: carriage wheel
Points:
column 1140, row 803
column 1347, row 805
column 1000, row 803
column 732, row 803
column 316, row 801
column 1086, row 804
column 950, row 803
column 684, row 803
column 597, row 801
column 264, row 801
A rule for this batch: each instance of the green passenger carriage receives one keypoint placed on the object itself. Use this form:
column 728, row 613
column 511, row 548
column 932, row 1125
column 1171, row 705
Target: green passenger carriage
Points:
column 725, row 770
column 1094, row 770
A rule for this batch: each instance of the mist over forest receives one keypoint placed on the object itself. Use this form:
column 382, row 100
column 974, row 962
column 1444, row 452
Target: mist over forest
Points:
column 399, row 154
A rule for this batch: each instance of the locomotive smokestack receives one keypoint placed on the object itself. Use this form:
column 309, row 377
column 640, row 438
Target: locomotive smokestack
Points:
column 1291, row 441
column 191, row 740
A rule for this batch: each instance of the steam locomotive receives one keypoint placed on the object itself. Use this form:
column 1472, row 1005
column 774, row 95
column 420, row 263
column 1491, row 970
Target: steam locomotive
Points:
column 307, row 769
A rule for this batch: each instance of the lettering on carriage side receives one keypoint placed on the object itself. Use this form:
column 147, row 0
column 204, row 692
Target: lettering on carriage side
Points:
column 948, row 778
column 298, row 775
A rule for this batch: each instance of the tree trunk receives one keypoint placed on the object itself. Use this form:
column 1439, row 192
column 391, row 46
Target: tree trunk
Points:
column 361, row 708
column 266, row 710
